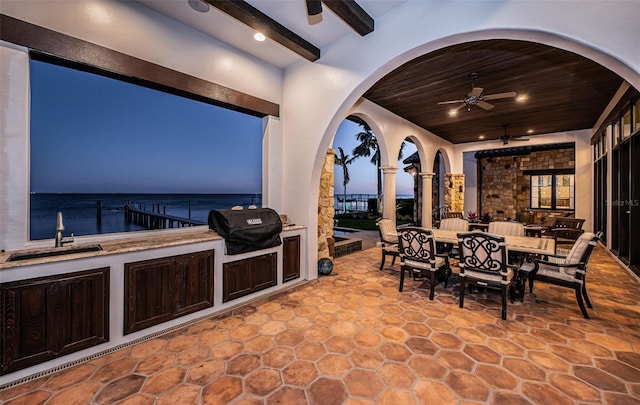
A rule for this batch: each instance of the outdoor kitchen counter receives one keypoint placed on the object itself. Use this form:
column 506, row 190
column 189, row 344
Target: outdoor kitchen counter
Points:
column 116, row 246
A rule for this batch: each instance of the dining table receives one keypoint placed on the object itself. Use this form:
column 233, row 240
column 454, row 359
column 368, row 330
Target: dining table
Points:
column 525, row 246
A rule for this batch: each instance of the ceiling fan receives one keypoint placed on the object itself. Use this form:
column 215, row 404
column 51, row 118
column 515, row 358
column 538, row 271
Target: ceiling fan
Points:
column 506, row 138
column 476, row 97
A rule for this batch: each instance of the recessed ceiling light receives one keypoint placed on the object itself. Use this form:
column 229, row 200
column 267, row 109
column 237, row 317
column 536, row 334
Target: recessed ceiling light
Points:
column 259, row 36
column 522, row 98
column 481, row 137
column 530, row 131
column 199, row 6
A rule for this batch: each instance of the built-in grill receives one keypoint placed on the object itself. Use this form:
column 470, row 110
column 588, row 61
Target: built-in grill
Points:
column 247, row 230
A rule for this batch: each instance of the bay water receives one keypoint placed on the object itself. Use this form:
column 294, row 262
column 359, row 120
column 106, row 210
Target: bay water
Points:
column 79, row 211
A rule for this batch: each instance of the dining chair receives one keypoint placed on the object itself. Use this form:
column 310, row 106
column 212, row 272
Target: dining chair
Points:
column 566, row 271
column 564, row 239
column 388, row 240
column 483, row 263
column 506, row 228
column 453, row 214
column 418, row 258
column 451, row 224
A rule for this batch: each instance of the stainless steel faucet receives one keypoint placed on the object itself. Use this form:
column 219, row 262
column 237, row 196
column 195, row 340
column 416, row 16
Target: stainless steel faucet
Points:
column 61, row 240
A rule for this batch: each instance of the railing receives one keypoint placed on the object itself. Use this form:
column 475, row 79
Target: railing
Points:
column 438, row 213
column 156, row 220
column 352, row 203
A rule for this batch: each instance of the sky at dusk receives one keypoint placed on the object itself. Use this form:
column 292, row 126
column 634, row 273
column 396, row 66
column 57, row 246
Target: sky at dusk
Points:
column 362, row 173
column 93, row 134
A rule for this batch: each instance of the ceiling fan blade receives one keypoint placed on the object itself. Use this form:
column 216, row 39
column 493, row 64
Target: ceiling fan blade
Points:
column 314, row 7
column 476, row 91
column 484, row 105
column 451, row 102
column 509, row 94
column 519, row 139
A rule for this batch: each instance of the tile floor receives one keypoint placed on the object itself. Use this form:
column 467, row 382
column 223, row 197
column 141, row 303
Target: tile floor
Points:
column 351, row 338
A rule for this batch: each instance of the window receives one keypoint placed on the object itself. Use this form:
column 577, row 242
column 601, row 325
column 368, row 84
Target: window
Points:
column 636, row 115
column 97, row 142
column 553, row 191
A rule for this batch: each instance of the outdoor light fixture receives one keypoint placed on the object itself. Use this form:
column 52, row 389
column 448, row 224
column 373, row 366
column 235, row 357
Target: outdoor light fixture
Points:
column 259, row 36
column 199, row 6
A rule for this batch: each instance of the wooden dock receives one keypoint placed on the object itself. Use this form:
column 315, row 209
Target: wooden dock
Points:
column 157, row 220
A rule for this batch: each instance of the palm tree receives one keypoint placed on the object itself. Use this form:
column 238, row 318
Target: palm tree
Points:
column 343, row 161
column 369, row 147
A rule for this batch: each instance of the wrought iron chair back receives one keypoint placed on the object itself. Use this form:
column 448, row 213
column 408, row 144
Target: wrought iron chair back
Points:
column 418, row 257
column 483, row 262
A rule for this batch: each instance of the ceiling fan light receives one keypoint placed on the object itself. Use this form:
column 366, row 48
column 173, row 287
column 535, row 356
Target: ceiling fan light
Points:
column 522, row 98
column 259, row 36
column 453, row 112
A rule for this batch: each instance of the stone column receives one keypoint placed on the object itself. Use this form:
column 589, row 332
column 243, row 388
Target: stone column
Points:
column 389, row 192
column 325, row 205
column 427, row 196
column 454, row 192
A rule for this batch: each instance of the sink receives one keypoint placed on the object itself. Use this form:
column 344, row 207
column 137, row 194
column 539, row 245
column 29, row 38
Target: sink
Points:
column 38, row 254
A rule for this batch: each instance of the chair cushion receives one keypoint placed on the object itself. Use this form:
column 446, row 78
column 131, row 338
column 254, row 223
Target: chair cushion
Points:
column 506, row 228
column 494, row 278
column 388, row 231
column 579, row 248
column 439, row 262
column 559, row 273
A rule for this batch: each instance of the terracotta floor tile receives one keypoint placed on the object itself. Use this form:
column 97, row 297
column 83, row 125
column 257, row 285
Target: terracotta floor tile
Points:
column 394, row 352
column 164, row 380
column 397, row 375
column 456, row 360
column 468, row 386
column 222, row 391
column 544, row 394
column 599, row 379
column 154, row 363
column 262, row 382
column 77, row 395
column 299, row 373
column 335, row 365
column 184, row 394
column 496, row 377
column 70, row 377
column 363, row 383
column 393, row 397
column 340, row 344
column 243, row 364
column 575, row 388
column 366, row 358
column 427, row 367
column 32, row 398
column 120, row 389
column 618, row 369
column 287, row 395
column 434, row 392
column 548, row 361
column 327, row 391
column 206, row 372
column 278, row 357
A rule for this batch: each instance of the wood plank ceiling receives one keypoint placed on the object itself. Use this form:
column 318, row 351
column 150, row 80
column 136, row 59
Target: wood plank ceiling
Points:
column 564, row 91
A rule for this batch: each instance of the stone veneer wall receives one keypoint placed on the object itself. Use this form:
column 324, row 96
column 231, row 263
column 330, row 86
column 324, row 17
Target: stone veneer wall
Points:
column 506, row 190
column 454, row 192
column 326, row 211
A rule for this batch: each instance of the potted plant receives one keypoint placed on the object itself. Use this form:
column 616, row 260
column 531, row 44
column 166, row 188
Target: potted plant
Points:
column 472, row 216
column 487, row 217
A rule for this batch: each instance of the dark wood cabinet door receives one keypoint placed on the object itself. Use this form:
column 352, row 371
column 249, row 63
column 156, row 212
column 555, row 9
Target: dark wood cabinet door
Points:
column 290, row 258
column 47, row 317
column 148, row 292
column 246, row 276
column 194, row 282
column 159, row 290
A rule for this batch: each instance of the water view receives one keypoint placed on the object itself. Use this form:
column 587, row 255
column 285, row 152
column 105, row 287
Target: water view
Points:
column 80, row 210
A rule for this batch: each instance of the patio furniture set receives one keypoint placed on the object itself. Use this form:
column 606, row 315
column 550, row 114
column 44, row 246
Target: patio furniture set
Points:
column 502, row 257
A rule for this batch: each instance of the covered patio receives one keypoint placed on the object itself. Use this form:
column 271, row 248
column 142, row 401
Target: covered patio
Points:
column 351, row 338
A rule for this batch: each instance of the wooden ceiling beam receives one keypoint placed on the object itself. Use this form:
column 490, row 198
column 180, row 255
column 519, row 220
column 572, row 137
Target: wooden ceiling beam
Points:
column 254, row 18
column 352, row 14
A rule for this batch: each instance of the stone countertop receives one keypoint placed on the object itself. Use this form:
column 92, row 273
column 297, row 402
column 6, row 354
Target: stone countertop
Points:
column 116, row 246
